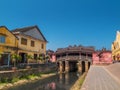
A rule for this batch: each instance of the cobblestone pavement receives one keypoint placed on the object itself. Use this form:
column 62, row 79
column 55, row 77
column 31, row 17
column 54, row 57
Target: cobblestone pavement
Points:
column 99, row 79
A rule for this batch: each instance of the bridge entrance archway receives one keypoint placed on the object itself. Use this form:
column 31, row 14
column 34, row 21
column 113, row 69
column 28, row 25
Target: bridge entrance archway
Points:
column 89, row 65
column 73, row 66
column 63, row 69
column 83, row 66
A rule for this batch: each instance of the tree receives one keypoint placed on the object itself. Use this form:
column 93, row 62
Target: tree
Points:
column 15, row 58
column 29, row 58
column 40, row 58
column 47, row 57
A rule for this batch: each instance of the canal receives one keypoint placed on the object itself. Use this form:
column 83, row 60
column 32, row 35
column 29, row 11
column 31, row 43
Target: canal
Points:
column 57, row 82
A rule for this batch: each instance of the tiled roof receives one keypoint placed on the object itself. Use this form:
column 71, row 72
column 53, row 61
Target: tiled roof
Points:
column 22, row 30
column 75, row 48
column 7, row 30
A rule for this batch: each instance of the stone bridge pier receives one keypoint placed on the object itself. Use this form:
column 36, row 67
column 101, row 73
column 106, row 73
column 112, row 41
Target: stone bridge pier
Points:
column 63, row 66
column 83, row 66
column 66, row 66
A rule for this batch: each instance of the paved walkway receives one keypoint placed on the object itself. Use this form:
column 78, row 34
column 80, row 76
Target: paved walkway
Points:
column 99, row 78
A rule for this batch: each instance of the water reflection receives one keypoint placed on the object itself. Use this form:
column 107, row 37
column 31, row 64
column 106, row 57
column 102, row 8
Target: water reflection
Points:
column 66, row 78
column 49, row 86
column 57, row 82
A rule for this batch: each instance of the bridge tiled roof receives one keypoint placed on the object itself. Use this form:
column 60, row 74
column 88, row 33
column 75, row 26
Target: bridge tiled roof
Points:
column 75, row 49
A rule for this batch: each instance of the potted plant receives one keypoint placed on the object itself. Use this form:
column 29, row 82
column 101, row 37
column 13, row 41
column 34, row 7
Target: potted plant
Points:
column 29, row 58
column 40, row 58
column 15, row 58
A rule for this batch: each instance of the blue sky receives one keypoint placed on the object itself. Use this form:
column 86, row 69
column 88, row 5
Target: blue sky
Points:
column 65, row 22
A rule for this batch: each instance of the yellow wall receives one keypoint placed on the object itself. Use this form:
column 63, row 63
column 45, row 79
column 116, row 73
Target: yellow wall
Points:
column 13, row 44
column 10, row 41
column 28, row 48
column 116, row 47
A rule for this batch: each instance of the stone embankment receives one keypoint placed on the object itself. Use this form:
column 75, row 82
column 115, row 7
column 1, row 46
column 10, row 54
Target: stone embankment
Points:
column 21, row 74
column 8, row 75
column 79, row 82
column 24, row 81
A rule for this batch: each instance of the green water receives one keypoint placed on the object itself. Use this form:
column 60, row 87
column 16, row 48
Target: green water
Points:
column 57, row 82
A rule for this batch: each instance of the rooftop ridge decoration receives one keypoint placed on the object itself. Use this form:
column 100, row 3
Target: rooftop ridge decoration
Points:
column 76, row 48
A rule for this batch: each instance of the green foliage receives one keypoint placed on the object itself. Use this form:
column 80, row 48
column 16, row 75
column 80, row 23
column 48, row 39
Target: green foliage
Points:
column 82, row 79
column 15, row 58
column 40, row 58
column 43, row 58
column 24, row 77
column 38, row 74
column 29, row 77
column 15, row 80
column 4, row 80
column 47, row 57
column 0, row 55
column 29, row 57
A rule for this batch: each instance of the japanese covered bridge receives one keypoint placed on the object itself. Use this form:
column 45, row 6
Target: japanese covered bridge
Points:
column 74, row 58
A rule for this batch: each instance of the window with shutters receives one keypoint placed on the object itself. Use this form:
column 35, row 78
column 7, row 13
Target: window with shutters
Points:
column 23, row 41
column 2, row 39
column 32, row 43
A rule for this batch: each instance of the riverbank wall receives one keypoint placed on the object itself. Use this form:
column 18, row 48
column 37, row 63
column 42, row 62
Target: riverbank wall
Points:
column 79, row 82
column 8, row 75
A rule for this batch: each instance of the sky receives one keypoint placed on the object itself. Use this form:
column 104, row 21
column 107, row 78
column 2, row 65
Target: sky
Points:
column 65, row 22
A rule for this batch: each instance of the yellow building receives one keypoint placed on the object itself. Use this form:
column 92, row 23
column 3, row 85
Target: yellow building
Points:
column 116, row 47
column 22, row 41
column 31, row 42
column 8, row 45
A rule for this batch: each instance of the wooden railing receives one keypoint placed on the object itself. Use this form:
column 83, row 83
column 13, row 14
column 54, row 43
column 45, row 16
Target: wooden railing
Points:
column 73, row 58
